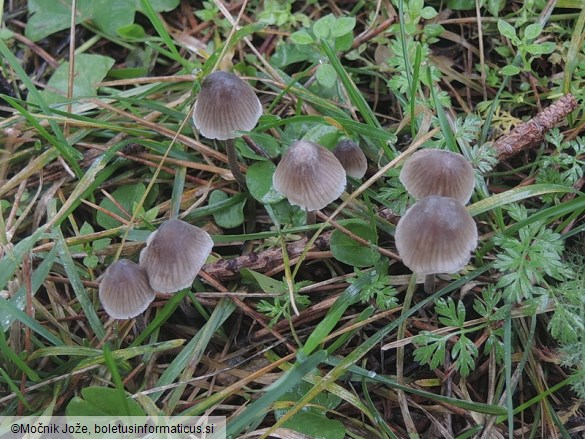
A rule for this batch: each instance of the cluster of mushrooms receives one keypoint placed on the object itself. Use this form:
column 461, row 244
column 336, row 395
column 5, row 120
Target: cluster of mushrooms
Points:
column 436, row 235
column 172, row 258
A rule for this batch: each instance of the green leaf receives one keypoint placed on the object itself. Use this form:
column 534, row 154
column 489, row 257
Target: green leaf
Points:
column 230, row 217
column 431, row 349
column 285, row 213
column 48, row 17
column 326, row 75
column 461, row 5
column 301, row 37
column 351, row 252
column 507, row 30
column 428, row 13
column 266, row 284
column 323, row 27
column 266, row 142
column 532, row 31
column 259, row 181
column 126, row 196
column 312, row 421
column 464, row 353
column 449, row 314
column 343, row 25
column 102, row 401
column 132, row 31
column 540, row 49
column 89, row 70
column 510, row 70
column 324, row 135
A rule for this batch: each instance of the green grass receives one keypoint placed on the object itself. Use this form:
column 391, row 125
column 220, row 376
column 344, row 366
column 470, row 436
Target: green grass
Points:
column 496, row 350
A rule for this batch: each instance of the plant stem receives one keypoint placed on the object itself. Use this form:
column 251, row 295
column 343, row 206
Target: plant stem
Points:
column 233, row 163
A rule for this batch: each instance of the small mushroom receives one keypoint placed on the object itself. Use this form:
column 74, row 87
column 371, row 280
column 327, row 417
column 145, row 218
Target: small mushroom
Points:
column 309, row 175
column 174, row 254
column 436, row 235
column 124, row 290
column 352, row 158
column 438, row 172
column 226, row 104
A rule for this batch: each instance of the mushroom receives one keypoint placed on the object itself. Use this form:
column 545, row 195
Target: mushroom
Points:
column 436, row 235
column 124, row 290
column 226, row 104
column 174, row 254
column 309, row 175
column 438, row 172
column 352, row 158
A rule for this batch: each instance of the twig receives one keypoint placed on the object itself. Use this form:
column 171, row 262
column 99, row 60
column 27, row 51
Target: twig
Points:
column 531, row 133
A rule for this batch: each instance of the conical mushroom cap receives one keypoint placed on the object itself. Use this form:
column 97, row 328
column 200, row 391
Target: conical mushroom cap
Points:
column 352, row 158
column 436, row 235
column 437, row 172
column 174, row 254
column 124, row 290
column 225, row 104
column 309, row 175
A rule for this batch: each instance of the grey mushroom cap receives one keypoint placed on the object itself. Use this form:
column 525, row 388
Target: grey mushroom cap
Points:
column 174, row 254
column 225, row 104
column 436, row 235
column 124, row 290
column 309, row 175
column 438, row 172
column 352, row 158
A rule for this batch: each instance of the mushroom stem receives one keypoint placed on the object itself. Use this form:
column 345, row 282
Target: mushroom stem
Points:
column 311, row 217
column 233, row 163
column 430, row 283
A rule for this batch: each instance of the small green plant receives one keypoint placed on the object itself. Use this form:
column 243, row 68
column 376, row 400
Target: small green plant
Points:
column 433, row 347
column 525, row 45
column 525, row 261
column 338, row 31
column 379, row 288
column 91, row 260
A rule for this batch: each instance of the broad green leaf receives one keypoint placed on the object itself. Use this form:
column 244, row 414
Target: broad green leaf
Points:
column 266, row 284
column 313, row 420
column 326, row 75
column 342, row 26
column 126, row 196
column 510, row 70
column 461, row 5
column 230, row 217
column 89, row 70
column 325, row 135
column 323, row 27
column 301, row 37
column 48, row 17
column 259, row 181
column 532, row 31
column 102, row 401
column 351, row 252
column 507, row 30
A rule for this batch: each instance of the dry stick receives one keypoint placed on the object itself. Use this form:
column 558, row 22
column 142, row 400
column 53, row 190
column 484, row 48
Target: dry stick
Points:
column 531, row 133
column 262, row 261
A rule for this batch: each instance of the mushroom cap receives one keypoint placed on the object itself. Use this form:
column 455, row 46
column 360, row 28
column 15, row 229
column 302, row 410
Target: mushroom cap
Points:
column 174, row 254
column 438, row 172
column 352, row 158
column 225, row 104
column 124, row 290
column 309, row 175
column 436, row 235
